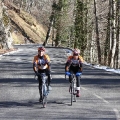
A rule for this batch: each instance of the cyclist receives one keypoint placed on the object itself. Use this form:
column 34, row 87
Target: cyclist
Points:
column 41, row 64
column 74, row 65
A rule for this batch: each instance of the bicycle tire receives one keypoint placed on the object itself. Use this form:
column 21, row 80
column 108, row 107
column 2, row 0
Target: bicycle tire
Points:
column 74, row 92
column 44, row 101
column 71, row 87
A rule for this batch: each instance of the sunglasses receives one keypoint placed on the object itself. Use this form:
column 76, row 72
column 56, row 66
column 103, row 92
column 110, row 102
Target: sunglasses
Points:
column 75, row 54
column 40, row 51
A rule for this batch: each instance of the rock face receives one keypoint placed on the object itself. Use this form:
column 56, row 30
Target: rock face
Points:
column 27, row 24
column 5, row 35
column 16, row 24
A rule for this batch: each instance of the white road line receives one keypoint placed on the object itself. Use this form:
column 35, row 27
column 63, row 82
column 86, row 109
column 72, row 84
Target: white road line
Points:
column 117, row 114
column 115, row 110
column 83, row 88
column 97, row 96
column 101, row 98
column 105, row 101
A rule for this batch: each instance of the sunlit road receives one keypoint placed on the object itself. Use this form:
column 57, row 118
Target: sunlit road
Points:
column 100, row 90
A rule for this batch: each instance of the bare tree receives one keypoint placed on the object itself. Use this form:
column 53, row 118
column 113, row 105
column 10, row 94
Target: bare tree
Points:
column 113, row 32
column 52, row 17
column 118, row 34
column 97, row 33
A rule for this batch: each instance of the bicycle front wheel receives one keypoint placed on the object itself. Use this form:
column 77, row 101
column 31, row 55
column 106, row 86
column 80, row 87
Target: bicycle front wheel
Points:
column 44, row 94
column 74, row 92
column 71, row 91
column 44, row 101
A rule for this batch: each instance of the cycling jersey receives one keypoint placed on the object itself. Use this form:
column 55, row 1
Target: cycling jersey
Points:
column 41, row 62
column 74, row 64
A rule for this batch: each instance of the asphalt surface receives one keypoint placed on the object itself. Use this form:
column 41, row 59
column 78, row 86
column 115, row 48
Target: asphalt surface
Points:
column 100, row 90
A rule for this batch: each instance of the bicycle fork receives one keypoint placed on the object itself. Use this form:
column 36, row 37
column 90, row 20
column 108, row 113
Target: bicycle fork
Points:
column 72, row 86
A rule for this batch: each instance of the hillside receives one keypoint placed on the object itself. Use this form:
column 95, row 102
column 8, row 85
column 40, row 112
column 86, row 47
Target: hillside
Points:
column 23, row 25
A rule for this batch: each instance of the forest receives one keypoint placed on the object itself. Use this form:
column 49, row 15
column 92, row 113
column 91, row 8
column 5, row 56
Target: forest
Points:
column 93, row 26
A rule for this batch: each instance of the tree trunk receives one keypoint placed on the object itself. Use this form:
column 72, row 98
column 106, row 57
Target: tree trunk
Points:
column 49, row 29
column 97, row 34
column 110, row 32
column 113, row 34
column 58, row 16
column 119, row 34
column 117, row 53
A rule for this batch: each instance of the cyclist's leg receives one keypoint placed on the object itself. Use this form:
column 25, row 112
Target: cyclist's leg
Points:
column 78, row 86
column 70, row 76
column 49, row 76
column 40, row 87
column 77, row 77
column 77, row 83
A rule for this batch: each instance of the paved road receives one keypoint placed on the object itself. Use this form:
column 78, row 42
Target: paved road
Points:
column 100, row 90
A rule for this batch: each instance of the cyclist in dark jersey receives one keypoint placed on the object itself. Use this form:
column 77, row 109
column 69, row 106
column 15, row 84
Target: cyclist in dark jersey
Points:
column 74, row 65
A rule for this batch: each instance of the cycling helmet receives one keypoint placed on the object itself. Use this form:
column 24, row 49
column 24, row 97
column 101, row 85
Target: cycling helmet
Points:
column 41, row 48
column 76, row 52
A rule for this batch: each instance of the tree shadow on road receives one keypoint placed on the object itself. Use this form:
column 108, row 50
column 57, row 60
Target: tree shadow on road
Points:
column 18, row 82
column 14, row 104
column 100, row 78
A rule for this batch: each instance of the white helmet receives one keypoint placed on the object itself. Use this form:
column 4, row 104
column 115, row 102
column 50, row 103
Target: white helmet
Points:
column 76, row 51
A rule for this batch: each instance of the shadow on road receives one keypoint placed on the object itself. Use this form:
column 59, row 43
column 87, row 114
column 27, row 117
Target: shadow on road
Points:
column 100, row 78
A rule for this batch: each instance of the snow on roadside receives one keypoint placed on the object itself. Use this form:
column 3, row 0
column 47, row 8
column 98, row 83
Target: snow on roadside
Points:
column 104, row 68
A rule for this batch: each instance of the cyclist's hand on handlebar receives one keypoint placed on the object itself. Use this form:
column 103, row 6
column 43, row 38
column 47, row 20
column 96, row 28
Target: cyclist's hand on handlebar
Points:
column 78, row 73
column 67, row 73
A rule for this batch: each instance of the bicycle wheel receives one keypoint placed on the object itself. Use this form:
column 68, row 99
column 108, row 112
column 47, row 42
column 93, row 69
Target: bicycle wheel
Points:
column 74, row 91
column 71, row 89
column 44, row 102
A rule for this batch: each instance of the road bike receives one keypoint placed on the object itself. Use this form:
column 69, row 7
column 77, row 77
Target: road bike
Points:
column 44, row 89
column 72, row 87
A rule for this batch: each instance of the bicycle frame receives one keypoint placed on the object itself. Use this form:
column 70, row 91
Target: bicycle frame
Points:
column 72, row 89
column 44, row 90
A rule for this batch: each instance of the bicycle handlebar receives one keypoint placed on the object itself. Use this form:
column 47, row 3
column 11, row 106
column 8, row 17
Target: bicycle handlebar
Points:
column 77, row 74
column 40, row 74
